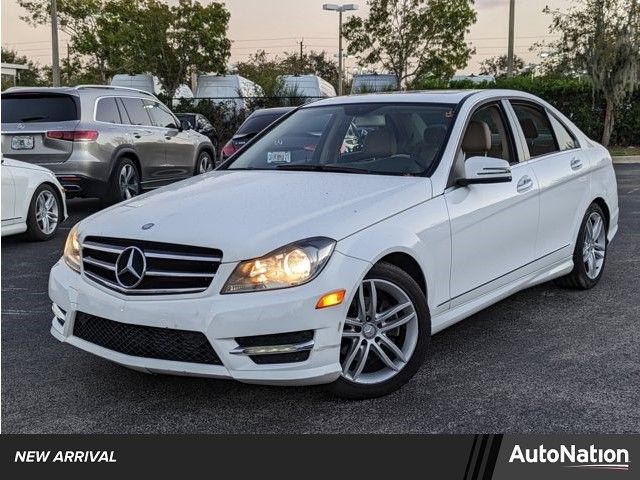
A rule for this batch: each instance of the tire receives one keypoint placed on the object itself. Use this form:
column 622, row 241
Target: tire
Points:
column 586, row 275
column 394, row 287
column 43, row 217
column 125, row 182
column 205, row 163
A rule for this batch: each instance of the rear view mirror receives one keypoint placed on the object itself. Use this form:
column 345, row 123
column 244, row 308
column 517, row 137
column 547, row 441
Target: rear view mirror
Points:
column 485, row 170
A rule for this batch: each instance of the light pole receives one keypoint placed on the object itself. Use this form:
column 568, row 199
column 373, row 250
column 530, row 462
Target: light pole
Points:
column 511, row 34
column 55, row 56
column 340, row 8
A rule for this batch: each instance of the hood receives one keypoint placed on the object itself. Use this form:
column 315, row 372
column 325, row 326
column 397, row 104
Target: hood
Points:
column 247, row 214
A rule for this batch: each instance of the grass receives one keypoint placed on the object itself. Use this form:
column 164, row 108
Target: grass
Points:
column 616, row 151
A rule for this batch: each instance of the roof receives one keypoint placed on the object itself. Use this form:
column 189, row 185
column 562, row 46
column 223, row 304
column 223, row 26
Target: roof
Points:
column 15, row 66
column 75, row 90
column 427, row 96
column 273, row 110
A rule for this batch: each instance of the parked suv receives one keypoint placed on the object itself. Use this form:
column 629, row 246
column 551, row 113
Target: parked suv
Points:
column 102, row 141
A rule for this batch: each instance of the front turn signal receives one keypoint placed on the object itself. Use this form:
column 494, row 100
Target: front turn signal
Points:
column 331, row 299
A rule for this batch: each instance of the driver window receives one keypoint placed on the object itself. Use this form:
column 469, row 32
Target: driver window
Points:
column 486, row 135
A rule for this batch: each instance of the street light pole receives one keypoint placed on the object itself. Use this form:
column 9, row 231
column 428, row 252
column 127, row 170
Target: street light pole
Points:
column 511, row 33
column 55, row 68
column 340, row 53
column 340, row 9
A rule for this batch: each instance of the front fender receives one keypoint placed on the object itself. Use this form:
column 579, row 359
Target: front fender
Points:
column 422, row 232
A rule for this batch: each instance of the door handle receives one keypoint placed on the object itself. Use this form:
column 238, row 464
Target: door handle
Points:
column 136, row 134
column 576, row 163
column 524, row 184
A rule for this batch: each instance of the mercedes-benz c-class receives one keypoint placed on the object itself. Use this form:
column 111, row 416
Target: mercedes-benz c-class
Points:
column 332, row 246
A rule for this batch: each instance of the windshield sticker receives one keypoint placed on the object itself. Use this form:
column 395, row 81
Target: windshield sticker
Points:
column 278, row 157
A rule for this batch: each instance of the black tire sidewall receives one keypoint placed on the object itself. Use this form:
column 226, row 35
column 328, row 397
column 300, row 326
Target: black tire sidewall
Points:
column 384, row 271
column 33, row 229
column 199, row 158
column 115, row 195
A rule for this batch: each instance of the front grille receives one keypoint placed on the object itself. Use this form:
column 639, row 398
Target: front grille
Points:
column 143, row 341
column 170, row 268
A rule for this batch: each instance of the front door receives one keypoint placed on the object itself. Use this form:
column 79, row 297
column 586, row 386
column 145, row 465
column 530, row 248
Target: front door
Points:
column 8, row 194
column 493, row 226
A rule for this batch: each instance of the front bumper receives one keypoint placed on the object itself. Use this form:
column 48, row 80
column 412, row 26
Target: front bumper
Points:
column 221, row 318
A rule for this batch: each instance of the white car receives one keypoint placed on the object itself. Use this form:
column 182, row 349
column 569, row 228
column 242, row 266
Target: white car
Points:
column 307, row 259
column 33, row 200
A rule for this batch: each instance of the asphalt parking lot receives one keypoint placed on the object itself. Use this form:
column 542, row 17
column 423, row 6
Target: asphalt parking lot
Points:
column 544, row 360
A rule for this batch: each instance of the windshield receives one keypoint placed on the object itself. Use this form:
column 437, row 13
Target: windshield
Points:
column 388, row 139
column 255, row 124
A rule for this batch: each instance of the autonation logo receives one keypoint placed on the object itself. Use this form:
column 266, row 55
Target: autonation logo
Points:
column 574, row 457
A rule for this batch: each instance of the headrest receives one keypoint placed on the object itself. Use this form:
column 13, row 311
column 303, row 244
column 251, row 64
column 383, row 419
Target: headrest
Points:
column 434, row 135
column 380, row 143
column 529, row 128
column 477, row 137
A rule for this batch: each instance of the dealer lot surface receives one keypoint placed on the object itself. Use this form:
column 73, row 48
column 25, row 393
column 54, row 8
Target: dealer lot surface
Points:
column 543, row 360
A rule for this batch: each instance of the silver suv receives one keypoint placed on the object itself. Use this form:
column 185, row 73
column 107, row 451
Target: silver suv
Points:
column 102, row 141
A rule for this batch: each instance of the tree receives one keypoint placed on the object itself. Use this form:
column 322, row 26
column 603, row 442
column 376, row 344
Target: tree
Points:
column 601, row 38
column 497, row 66
column 136, row 36
column 31, row 77
column 413, row 38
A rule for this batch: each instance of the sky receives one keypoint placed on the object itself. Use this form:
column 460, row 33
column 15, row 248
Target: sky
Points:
column 279, row 25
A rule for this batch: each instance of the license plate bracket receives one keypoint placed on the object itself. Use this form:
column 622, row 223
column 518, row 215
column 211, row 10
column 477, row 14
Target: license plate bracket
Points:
column 22, row 142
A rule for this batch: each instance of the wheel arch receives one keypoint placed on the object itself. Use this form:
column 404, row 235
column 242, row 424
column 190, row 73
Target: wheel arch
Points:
column 408, row 264
column 601, row 202
column 125, row 152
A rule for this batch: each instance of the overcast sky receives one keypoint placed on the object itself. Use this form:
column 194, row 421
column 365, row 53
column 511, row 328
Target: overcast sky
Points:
column 278, row 26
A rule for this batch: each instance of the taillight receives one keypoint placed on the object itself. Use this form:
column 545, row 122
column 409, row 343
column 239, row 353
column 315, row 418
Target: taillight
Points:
column 229, row 149
column 73, row 135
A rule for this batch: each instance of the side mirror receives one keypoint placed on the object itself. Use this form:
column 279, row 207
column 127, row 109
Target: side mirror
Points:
column 485, row 170
column 184, row 125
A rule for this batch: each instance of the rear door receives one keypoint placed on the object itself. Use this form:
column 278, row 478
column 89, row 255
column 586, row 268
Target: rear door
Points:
column 26, row 119
column 560, row 170
column 147, row 139
column 179, row 144
column 8, row 194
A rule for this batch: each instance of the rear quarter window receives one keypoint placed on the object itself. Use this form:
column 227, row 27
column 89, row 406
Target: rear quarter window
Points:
column 34, row 108
column 107, row 111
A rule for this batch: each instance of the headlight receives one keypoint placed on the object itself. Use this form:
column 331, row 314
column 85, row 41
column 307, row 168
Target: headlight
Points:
column 291, row 265
column 72, row 250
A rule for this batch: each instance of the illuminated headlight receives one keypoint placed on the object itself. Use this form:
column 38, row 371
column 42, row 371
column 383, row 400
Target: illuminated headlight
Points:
column 72, row 250
column 294, row 264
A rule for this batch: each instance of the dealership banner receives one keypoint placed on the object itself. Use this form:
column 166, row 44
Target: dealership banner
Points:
column 460, row 457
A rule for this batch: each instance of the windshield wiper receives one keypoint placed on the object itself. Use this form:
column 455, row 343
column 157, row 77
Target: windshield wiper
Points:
column 322, row 168
column 33, row 119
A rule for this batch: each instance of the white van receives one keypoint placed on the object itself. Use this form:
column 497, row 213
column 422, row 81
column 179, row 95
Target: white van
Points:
column 182, row 92
column 144, row 82
column 227, row 89
column 474, row 78
column 311, row 86
column 373, row 82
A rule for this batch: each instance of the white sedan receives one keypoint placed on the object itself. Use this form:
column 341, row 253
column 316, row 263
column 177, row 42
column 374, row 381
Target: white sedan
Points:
column 332, row 246
column 32, row 200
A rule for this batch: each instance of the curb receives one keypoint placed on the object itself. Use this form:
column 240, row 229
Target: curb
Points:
column 627, row 159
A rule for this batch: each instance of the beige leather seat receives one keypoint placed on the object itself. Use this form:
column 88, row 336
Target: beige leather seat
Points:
column 477, row 139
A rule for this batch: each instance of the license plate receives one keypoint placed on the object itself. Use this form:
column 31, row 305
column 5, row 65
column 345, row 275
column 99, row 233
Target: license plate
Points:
column 278, row 157
column 22, row 142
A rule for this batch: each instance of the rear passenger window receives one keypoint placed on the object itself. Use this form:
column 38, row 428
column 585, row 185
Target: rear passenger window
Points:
column 160, row 115
column 136, row 111
column 536, row 129
column 566, row 141
column 107, row 111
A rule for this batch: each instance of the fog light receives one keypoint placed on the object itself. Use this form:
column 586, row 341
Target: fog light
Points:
column 331, row 299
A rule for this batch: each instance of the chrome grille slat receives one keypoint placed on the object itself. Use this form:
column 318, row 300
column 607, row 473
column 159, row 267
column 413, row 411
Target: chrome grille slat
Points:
column 166, row 273
column 169, row 268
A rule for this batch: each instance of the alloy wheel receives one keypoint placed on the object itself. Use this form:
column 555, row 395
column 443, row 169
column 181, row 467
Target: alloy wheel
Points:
column 595, row 245
column 47, row 212
column 380, row 333
column 204, row 163
column 128, row 181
